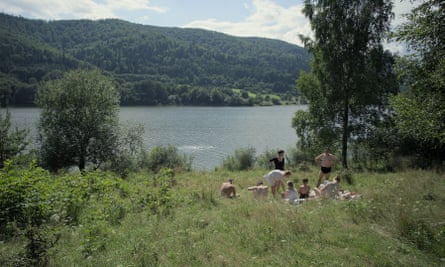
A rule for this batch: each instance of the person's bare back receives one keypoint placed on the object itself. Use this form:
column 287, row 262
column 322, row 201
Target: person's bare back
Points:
column 260, row 191
column 228, row 189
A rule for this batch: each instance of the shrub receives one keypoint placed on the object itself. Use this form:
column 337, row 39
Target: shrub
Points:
column 166, row 157
column 128, row 151
column 263, row 159
column 242, row 159
column 159, row 199
column 12, row 143
column 23, row 195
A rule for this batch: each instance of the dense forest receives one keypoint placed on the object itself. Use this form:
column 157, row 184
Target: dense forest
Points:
column 150, row 65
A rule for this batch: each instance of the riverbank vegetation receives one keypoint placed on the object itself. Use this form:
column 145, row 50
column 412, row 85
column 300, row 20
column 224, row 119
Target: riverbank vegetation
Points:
column 176, row 218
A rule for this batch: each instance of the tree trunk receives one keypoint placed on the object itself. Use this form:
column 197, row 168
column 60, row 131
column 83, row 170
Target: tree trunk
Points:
column 344, row 149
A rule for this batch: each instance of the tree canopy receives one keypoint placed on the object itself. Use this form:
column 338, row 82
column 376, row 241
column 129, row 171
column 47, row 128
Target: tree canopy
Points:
column 79, row 120
column 351, row 74
column 420, row 109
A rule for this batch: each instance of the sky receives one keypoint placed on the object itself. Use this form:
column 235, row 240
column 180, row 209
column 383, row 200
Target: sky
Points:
column 276, row 19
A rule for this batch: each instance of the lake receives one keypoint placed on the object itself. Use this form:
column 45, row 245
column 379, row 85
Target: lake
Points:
column 209, row 134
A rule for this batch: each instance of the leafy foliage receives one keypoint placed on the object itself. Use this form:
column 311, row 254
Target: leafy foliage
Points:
column 351, row 75
column 128, row 151
column 153, row 65
column 420, row 109
column 78, row 121
column 242, row 159
column 12, row 143
column 23, row 196
column 160, row 157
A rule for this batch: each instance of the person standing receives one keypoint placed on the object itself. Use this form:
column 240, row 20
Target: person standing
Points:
column 275, row 179
column 278, row 161
column 326, row 161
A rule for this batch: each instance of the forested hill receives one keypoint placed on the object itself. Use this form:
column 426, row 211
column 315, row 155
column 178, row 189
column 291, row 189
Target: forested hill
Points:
column 151, row 65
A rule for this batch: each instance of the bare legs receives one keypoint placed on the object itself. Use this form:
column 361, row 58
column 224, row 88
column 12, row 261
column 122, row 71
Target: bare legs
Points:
column 320, row 175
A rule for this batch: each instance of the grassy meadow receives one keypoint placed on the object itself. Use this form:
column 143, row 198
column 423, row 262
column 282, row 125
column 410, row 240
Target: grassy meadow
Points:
column 179, row 219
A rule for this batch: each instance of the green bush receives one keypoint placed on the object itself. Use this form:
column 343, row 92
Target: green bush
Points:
column 12, row 142
column 242, row 159
column 166, row 157
column 23, row 195
column 128, row 151
column 263, row 159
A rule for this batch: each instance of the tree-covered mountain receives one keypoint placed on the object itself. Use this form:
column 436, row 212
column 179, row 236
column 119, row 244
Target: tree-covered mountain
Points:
column 151, row 65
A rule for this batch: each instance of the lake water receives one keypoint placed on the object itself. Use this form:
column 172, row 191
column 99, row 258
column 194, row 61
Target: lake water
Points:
column 209, row 134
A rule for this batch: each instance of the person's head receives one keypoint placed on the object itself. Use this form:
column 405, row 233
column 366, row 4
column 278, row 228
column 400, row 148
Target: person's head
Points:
column 287, row 173
column 280, row 153
column 259, row 183
column 337, row 179
column 230, row 181
column 326, row 149
column 305, row 180
column 290, row 184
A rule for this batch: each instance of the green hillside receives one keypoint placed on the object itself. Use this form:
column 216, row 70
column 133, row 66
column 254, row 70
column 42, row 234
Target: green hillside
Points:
column 151, row 65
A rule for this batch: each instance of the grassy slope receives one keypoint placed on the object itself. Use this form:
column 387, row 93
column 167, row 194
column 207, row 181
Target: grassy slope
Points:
column 384, row 228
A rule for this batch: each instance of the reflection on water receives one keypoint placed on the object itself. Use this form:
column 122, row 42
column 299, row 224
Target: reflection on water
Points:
column 208, row 134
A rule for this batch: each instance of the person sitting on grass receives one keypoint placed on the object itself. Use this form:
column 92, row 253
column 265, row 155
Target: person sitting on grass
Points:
column 330, row 189
column 304, row 189
column 290, row 195
column 275, row 179
column 260, row 191
column 228, row 189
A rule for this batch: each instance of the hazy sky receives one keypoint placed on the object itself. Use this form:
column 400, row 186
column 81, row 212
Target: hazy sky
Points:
column 277, row 19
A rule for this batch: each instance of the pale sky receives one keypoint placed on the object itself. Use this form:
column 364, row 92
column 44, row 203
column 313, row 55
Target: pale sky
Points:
column 276, row 19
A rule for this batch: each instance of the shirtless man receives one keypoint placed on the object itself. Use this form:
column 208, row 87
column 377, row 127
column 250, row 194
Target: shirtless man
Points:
column 228, row 189
column 326, row 161
column 260, row 191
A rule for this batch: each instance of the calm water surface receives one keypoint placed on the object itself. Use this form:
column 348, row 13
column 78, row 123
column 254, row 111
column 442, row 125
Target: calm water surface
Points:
column 209, row 134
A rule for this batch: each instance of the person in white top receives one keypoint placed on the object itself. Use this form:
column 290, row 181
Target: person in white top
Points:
column 291, row 195
column 330, row 189
column 275, row 179
column 326, row 161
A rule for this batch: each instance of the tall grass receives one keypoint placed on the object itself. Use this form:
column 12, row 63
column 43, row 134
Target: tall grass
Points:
column 398, row 221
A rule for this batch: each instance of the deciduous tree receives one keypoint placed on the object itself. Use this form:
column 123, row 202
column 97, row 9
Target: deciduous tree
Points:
column 351, row 73
column 79, row 119
column 420, row 110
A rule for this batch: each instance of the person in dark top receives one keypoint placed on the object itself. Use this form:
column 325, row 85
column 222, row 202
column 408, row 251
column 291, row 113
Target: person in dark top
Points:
column 304, row 189
column 279, row 160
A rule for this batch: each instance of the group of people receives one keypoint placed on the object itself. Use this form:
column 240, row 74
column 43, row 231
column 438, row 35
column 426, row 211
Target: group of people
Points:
column 276, row 177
